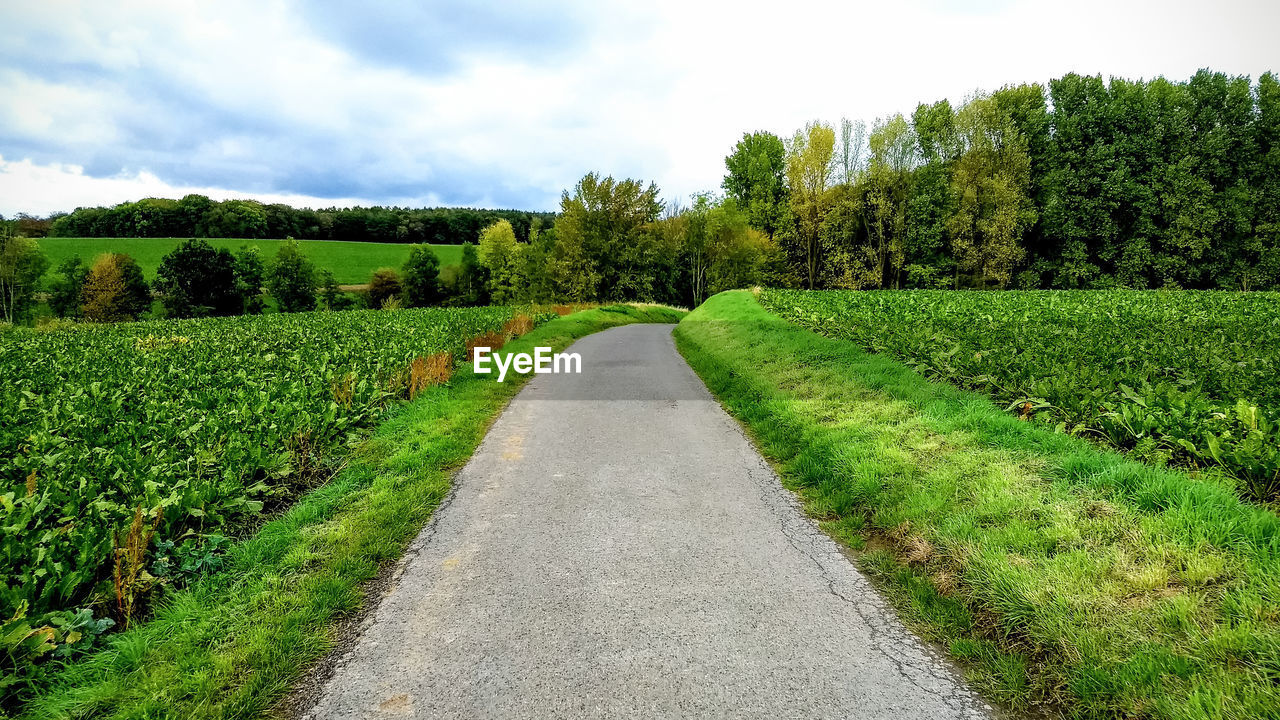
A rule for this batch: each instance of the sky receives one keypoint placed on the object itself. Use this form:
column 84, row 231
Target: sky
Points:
column 320, row 103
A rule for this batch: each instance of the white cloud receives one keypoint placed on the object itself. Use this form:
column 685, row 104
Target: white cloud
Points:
column 247, row 97
column 45, row 189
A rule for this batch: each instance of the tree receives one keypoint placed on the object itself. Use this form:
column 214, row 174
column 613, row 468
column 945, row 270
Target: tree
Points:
column 851, row 150
column 990, row 183
column 21, row 267
column 604, row 249
column 690, row 229
column 196, row 280
column 114, row 290
column 928, row 261
column 756, row 178
column 500, row 256
column 809, row 156
column 422, row 277
column 65, row 291
column 384, row 288
column 250, row 273
column 291, row 280
column 888, row 189
column 471, row 278
column 1258, row 263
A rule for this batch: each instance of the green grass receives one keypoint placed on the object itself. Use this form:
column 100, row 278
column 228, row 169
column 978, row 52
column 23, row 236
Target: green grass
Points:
column 1066, row 577
column 231, row 645
column 350, row 262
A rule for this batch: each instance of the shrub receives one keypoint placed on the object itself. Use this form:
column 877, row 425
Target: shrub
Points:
column 64, row 295
column 422, row 277
column 196, row 280
column 384, row 286
column 292, row 279
column 114, row 290
column 21, row 266
column 251, row 272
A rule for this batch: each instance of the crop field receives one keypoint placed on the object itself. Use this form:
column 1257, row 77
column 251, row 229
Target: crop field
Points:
column 350, row 262
column 188, row 429
column 1189, row 378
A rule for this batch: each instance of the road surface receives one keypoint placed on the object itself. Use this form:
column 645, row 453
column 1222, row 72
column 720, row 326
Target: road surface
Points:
column 617, row 548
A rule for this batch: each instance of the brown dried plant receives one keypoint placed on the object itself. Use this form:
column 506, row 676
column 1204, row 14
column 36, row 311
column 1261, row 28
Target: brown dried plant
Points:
column 517, row 326
column 427, row 371
column 344, row 389
column 491, row 340
column 130, row 579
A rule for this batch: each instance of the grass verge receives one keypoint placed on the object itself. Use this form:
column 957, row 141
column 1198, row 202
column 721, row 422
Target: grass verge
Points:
column 231, row 645
column 1068, row 579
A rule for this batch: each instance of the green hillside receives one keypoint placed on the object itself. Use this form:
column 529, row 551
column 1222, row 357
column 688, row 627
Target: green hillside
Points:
column 350, row 262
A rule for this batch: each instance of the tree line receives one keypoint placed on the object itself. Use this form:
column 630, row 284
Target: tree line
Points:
column 1085, row 184
column 1088, row 184
column 199, row 216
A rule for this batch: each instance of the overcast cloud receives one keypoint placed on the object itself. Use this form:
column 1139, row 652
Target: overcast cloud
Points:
column 506, row 104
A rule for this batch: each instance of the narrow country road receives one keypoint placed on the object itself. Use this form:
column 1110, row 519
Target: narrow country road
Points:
column 617, row 548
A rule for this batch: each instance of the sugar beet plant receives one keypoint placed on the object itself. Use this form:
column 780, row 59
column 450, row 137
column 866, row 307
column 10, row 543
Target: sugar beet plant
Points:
column 1191, row 378
column 130, row 453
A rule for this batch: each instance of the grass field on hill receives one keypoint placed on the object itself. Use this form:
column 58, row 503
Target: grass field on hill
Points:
column 1069, row 578
column 350, row 262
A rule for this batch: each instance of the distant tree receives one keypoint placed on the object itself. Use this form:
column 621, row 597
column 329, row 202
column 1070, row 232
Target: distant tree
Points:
column 291, row 279
column 196, row 279
column 114, row 290
column 250, row 274
column 67, row 286
column 384, row 288
column 137, row 292
column 603, row 245
column 536, row 258
column 756, row 178
column 991, row 181
column 888, row 189
column 472, row 280
column 809, row 166
column 851, row 150
column 422, row 277
column 21, row 267
column 927, row 250
column 1257, row 264
column 500, row 255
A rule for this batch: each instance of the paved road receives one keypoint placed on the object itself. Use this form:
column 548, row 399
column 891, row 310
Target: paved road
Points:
column 617, row 548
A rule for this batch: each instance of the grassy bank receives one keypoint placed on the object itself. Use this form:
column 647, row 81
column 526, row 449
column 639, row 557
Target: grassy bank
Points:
column 231, row 645
column 1067, row 578
column 350, row 262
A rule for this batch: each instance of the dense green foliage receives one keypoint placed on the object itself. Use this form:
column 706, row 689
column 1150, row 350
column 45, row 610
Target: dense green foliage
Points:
column 197, row 279
column 66, row 287
column 229, row 645
column 1088, row 184
column 1192, row 377
column 198, row 216
column 114, row 290
column 422, row 277
column 201, row 423
column 291, row 279
column 21, row 266
column 1070, row 580
column 614, row 240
